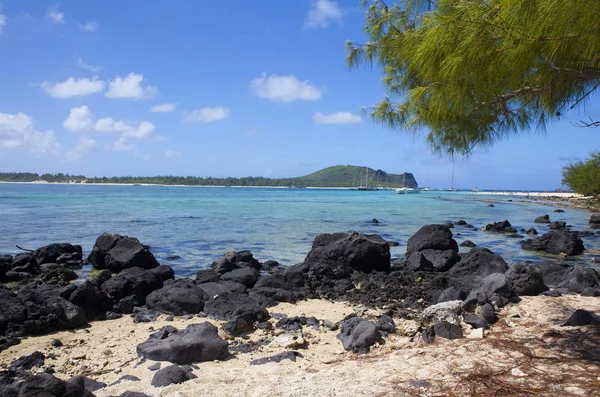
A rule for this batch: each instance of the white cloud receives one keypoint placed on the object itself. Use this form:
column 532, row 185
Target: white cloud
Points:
column 84, row 145
column 207, row 115
column 130, row 87
column 138, row 131
column 252, row 131
column 284, row 88
column 121, row 145
column 55, row 16
column 74, row 87
column 164, row 108
column 81, row 119
column 337, row 118
column 172, row 153
column 87, row 66
column 2, row 22
column 18, row 131
column 89, row 26
column 321, row 13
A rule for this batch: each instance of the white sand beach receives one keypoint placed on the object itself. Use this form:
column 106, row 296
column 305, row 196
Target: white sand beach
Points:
column 526, row 353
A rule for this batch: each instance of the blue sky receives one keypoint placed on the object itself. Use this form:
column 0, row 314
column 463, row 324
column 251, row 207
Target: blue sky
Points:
column 210, row 88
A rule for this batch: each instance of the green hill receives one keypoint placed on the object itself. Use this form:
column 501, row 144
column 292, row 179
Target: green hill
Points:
column 354, row 176
column 336, row 176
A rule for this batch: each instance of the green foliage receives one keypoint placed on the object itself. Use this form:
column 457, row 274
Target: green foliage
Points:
column 584, row 176
column 337, row 176
column 470, row 72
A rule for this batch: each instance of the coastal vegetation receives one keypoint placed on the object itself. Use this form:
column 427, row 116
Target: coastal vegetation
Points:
column 336, row 176
column 584, row 176
column 470, row 73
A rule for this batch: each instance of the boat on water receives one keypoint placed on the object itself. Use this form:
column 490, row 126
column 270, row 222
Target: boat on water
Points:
column 406, row 190
column 366, row 187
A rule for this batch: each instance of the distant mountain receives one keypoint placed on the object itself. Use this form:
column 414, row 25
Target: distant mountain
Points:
column 353, row 176
column 336, row 176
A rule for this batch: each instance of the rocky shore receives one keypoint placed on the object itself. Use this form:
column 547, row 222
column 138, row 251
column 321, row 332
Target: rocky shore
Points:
column 348, row 320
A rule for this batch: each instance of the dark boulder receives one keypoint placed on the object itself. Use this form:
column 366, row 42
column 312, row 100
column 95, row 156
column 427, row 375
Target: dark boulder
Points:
column 358, row 335
column 328, row 280
column 53, row 273
column 229, row 305
column 500, row 227
column 196, row 343
column 531, row 232
column 246, row 259
column 589, row 291
column 432, row 260
column 131, row 287
column 579, row 278
column 468, row 244
column 451, row 294
column 555, row 242
column 91, row 299
column 21, row 366
column 239, row 325
column 15, row 276
column 173, row 374
column 270, row 266
column 247, row 276
column 90, row 384
column 476, row 321
column 13, row 312
column 460, row 222
column 473, row 267
column 435, row 237
column 447, row 330
column 428, row 335
column 47, row 385
column 128, row 253
column 207, row 276
column 178, row 298
column 47, row 311
column 526, row 279
column 51, row 253
column 488, row 313
column 558, row 210
column 104, row 243
column 542, row 219
column 558, row 225
column 224, row 265
column 5, row 265
column 595, row 220
column 362, row 252
column 222, row 287
column 24, row 262
column 277, row 358
column 582, row 317
column 116, row 253
column 386, row 324
column 493, row 288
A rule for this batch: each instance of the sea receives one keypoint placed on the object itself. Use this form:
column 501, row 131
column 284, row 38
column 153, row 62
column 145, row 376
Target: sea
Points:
column 189, row 227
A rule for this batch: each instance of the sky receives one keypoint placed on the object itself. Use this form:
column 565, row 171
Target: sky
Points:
column 238, row 88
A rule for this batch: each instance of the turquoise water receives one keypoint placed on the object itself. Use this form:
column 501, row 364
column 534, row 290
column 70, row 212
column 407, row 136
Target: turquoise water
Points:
column 200, row 224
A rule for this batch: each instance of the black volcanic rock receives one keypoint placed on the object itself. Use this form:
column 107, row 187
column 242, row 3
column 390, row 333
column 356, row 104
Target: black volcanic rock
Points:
column 436, row 237
column 362, row 252
column 500, row 227
column 178, row 298
column 473, row 267
column 526, row 279
column 196, row 343
column 556, row 242
column 116, row 253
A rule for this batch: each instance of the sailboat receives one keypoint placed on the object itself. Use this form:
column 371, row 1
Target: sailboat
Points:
column 452, row 188
column 404, row 189
column 366, row 187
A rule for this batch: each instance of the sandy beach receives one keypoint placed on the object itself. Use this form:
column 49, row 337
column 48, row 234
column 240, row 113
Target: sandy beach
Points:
column 526, row 353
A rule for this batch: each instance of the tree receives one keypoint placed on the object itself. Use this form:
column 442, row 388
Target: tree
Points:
column 470, row 72
column 584, row 176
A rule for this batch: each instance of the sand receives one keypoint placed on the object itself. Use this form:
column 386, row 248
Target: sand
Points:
column 527, row 351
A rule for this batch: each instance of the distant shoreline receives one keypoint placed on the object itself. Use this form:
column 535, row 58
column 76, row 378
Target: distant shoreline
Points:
column 483, row 192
